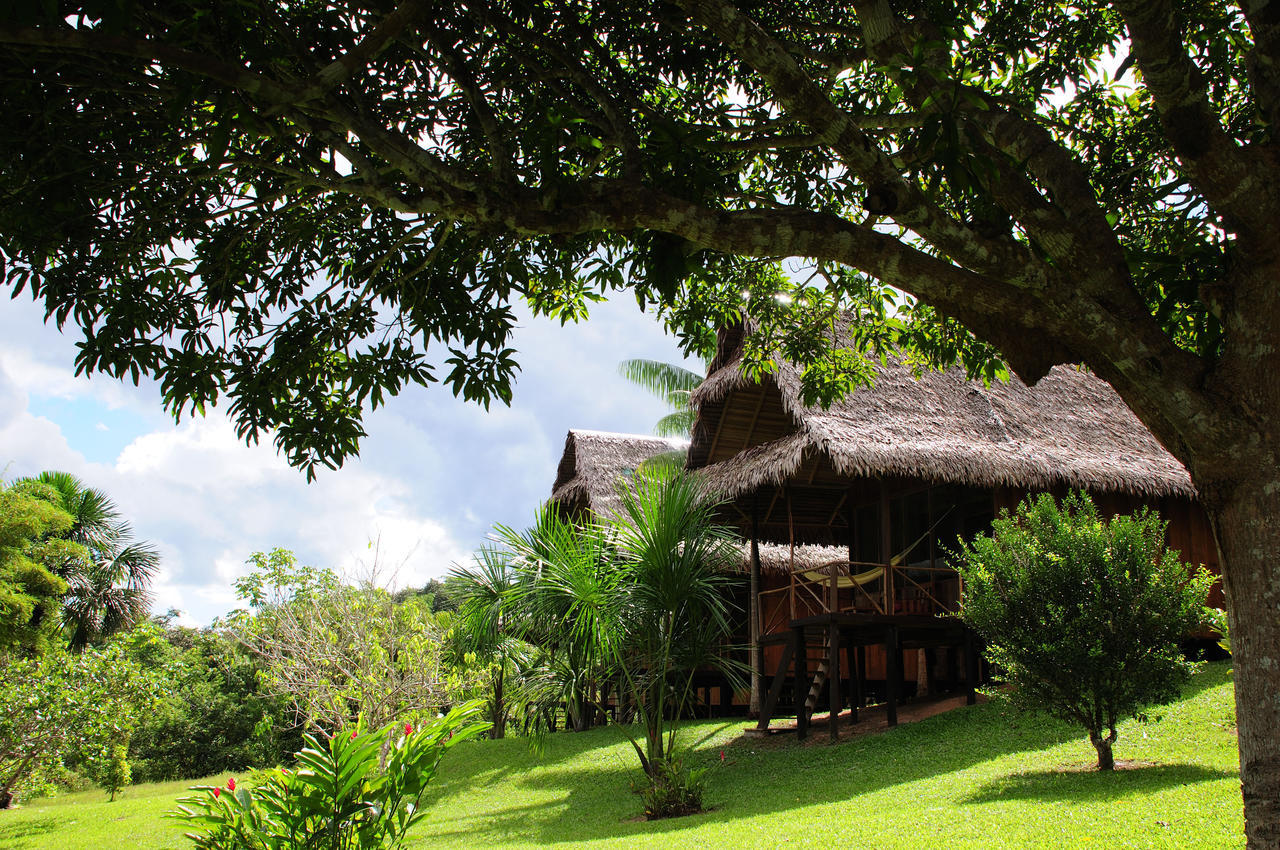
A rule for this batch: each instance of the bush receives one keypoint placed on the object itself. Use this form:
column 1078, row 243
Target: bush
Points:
column 339, row 798
column 1083, row 615
column 672, row 790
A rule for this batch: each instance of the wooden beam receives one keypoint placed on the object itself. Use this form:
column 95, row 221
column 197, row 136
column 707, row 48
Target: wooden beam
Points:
column 844, row 497
column 751, row 426
column 833, row 681
column 779, row 677
column 801, row 682
column 715, row 438
column 753, row 607
column 893, row 674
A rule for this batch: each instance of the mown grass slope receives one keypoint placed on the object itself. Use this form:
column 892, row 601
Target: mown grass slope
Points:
column 983, row 776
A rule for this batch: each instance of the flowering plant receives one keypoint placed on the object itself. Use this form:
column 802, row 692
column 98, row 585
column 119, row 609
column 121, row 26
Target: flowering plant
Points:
column 339, row 797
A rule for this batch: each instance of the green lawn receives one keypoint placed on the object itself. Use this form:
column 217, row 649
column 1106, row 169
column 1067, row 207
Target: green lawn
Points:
column 976, row 777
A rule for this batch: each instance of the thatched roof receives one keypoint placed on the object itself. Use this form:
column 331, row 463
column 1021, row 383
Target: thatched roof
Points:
column 775, row 558
column 1070, row 429
column 594, row 461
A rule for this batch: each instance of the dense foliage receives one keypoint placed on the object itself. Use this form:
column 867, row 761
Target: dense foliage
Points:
column 215, row 712
column 1083, row 615
column 32, row 554
column 108, row 591
column 354, row 791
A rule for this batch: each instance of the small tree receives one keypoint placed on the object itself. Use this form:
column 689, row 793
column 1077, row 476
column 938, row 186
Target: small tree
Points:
column 1083, row 614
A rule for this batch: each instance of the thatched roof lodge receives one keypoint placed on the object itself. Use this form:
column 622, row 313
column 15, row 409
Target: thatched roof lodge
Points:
column 894, row 474
column 799, row 471
column 594, row 462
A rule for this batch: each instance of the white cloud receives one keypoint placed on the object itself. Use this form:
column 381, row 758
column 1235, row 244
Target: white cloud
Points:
column 434, row 475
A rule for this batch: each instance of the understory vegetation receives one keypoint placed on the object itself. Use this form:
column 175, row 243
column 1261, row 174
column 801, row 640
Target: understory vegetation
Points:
column 979, row 777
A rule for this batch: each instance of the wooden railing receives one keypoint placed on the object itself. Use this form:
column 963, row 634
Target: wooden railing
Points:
column 858, row 586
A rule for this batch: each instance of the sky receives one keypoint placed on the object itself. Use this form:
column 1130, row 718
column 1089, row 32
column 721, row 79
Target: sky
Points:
column 434, row 473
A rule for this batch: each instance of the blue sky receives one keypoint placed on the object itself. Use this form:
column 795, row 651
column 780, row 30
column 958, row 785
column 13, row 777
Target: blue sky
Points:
column 434, row 473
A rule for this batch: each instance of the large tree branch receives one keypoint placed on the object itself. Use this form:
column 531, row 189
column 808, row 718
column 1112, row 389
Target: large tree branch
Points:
column 1232, row 179
column 802, row 98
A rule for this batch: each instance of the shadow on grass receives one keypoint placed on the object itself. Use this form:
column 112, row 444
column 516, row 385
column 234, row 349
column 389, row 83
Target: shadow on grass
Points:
column 1088, row 785
column 574, row 793
column 591, row 800
column 11, row 833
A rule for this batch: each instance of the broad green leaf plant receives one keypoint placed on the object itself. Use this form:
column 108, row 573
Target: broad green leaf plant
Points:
column 359, row 789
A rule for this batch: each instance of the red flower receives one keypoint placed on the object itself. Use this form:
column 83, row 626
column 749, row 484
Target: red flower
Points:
column 722, row 755
column 408, row 729
column 353, row 734
column 216, row 792
column 231, row 784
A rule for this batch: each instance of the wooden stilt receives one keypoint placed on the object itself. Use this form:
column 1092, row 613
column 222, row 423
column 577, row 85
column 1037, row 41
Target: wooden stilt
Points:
column 753, row 616
column 860, row 699
column 779, row 678
column 801, row 682
column 833, row 680
column 893, row 673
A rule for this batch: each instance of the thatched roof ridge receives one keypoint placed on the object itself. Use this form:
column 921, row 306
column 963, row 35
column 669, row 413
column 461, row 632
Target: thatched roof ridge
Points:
column 1070, row 429
column 594, row 461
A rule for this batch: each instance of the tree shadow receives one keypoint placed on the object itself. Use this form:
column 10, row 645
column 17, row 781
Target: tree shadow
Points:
column 584, row 797
column 591, row 800
column 1083, row 785
column 11, row 833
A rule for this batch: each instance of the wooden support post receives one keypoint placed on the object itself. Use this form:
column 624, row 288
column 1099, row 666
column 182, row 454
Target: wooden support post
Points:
column 970, row 668
column 801, row 682
column 753, row 616
column 779, row 678
column 893, row 673
column 860, row 695
column 886, row 550
column 833, row 680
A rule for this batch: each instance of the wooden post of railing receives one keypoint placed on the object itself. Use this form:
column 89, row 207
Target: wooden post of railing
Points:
column 755, row 615
column 791, row 560
column 886, row 548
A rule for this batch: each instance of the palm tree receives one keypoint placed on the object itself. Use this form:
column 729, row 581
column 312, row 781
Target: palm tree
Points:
column 566, row 582
column 110, row 591
column 489, row 623
column 675, row 607
column 674, row 384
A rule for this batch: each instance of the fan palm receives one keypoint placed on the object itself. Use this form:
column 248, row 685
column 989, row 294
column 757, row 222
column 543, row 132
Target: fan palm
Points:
column 108, row 592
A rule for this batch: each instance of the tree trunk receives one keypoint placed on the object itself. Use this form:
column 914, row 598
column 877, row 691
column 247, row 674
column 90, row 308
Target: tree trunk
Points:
column 499, row 719
column 1247, row 527
column 1102, row 743
column 6, row 798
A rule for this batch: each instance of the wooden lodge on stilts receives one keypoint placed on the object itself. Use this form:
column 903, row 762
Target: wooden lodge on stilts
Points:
column 849, row 515
column 884, row 483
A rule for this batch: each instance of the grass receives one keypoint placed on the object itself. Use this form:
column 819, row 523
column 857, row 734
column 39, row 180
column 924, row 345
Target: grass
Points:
column 977, row 777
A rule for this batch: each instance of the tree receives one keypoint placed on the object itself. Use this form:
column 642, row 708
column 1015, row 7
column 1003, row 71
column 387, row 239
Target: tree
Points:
column 638, row 597
column 1091, row 185
column 108, row 592
column 671, row 383
column 339, row 651
column 487, row 607
column 1083, row 615
column 31, row 555
column 61, row 705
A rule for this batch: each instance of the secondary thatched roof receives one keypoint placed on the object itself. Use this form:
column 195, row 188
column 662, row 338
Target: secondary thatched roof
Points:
column 1070, row 429
column 594, row 461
